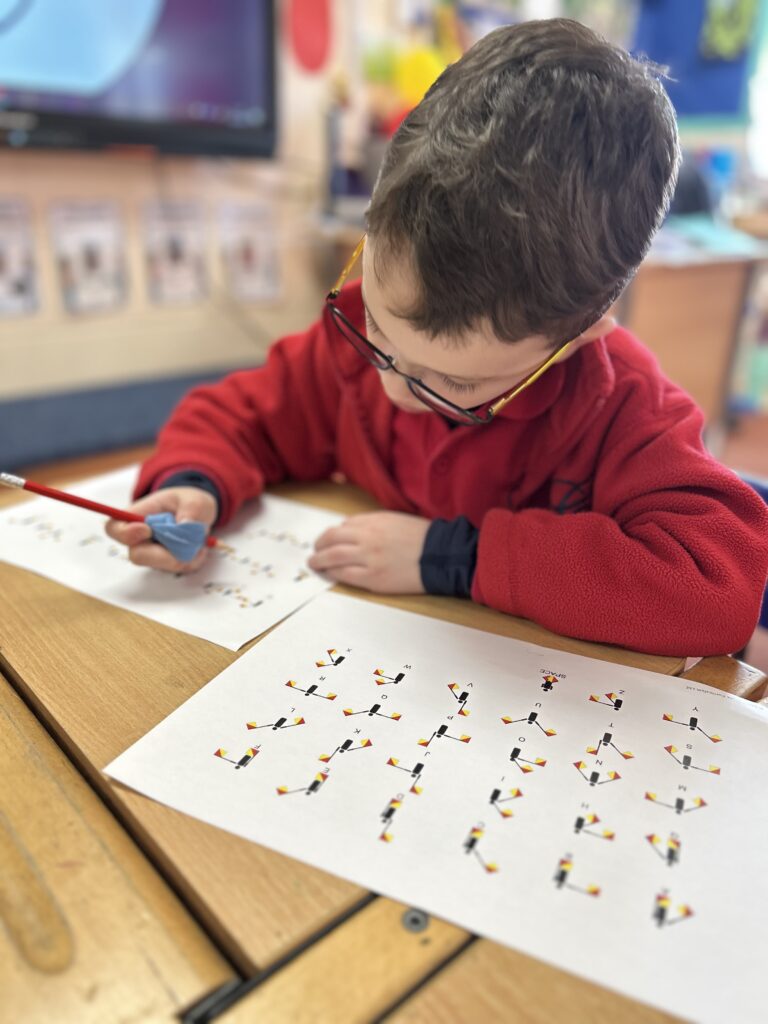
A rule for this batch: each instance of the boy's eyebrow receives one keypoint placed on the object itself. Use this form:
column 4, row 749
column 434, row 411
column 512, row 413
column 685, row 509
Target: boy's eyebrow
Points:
column 368, row 311
column 453, row 376
column 372, row 318
column 394, row 312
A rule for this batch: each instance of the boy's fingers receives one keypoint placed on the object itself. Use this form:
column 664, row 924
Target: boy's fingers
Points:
column 332, row 557
column 155, row 556
column 343, row 534
column 353, row 575
column 127, row 533
column 114, row 529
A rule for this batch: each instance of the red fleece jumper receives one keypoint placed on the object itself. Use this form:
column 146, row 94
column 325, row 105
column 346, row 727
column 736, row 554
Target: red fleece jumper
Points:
column 601, row 515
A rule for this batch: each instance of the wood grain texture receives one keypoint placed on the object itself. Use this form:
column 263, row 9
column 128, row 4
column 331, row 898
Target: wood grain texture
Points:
column 101, row 678
column 89, row 932
column 31, row 915
column 729, row 674
column 491, row 984
column 355, row 973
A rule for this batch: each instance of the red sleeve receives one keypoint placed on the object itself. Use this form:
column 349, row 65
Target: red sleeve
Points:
column 671, row 559
column 256, row 426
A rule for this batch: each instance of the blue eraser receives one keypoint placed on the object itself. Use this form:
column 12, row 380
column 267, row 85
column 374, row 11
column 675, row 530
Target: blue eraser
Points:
column 183, row 540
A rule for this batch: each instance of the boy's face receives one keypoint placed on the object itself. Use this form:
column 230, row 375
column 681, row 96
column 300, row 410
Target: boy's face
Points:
column 469, row 372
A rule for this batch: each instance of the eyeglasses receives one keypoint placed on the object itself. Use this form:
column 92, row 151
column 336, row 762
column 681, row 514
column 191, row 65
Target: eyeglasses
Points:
column 425, row 394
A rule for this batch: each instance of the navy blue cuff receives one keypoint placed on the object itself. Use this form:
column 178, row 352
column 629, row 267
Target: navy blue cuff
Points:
column 448, row 560
column 191, row 478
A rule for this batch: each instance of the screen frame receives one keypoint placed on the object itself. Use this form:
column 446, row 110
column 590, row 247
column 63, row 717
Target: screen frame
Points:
column 23, row 127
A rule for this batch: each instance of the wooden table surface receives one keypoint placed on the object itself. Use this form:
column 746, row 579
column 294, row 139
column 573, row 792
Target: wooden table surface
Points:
column 92, row 932
column 98, row 678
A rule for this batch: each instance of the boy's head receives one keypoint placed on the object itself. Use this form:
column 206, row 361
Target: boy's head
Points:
column 516, row 200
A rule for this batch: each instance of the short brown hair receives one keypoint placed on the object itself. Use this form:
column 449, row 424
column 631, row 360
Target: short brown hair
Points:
column 526, row 186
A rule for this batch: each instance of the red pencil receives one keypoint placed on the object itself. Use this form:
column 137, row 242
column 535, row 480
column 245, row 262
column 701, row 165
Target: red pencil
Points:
column 72, row 499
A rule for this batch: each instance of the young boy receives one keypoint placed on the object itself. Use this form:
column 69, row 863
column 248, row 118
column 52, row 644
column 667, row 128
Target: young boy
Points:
column 531, row 453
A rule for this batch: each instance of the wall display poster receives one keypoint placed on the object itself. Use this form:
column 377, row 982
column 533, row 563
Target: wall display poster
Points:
column 255, row 576
column 18, row 274
column 607, row 820
column 175, row 246
column 88, row 246
column 249, row 250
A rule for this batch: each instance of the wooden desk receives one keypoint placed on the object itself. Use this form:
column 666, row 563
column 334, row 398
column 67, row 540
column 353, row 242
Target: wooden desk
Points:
column 755, row 223
column 91, row 931
column 99, row 678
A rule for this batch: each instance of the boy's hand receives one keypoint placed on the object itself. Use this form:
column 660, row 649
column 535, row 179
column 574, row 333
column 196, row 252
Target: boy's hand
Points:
column 186, row 503
column 377, row 551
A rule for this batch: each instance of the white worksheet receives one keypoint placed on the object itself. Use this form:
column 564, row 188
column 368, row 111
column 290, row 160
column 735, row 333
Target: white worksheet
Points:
column 608, row 820
column 255, row 576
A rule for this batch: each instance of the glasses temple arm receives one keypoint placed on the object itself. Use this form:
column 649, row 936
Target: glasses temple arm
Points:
column 333, row 293
column 529, row 380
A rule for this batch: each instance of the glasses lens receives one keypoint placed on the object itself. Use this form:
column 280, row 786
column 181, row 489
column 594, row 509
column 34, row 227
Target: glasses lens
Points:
column 364, row 347
column 442, row 405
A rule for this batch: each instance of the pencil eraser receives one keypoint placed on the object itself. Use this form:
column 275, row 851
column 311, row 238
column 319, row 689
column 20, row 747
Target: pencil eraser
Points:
column 183, row 540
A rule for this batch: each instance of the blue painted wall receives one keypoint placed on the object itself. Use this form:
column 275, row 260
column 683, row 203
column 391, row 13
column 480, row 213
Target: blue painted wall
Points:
column 59, row 426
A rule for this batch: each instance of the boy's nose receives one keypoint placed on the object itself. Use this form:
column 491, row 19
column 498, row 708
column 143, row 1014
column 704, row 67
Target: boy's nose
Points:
column 396, row 387
column 397, row 391
column 404, row 367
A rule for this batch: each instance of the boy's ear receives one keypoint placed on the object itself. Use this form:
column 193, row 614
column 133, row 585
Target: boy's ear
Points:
column 598, row 330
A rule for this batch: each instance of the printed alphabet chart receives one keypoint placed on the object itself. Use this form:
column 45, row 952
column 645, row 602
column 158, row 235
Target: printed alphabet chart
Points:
column 252, row 579
column 605, row 819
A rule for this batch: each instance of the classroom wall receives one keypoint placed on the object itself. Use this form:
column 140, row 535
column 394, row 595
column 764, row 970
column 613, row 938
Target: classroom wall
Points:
column 51, row 356
column 52, row 350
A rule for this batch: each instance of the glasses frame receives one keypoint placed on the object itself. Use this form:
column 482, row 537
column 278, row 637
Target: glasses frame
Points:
column 416, row 386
